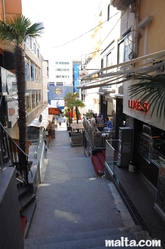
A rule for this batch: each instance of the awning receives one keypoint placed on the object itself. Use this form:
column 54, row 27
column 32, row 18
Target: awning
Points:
column 119, row 73
column 46, row 120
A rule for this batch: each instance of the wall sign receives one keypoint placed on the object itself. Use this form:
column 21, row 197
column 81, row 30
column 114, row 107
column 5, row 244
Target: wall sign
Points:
column 137, row 105
column 53, row 111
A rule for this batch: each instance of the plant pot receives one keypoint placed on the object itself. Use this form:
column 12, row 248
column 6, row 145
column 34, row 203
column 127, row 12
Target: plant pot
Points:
column 132, row 167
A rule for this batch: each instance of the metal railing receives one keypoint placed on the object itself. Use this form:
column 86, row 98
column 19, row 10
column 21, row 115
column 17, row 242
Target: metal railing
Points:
column 97, row 138
column 111, row 158
column 10, row 154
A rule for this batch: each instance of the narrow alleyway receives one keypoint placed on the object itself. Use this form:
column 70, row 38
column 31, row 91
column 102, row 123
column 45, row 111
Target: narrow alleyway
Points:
column 72, row 201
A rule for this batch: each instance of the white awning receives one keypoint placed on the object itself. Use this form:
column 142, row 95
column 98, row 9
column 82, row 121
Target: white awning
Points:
column 46, row 119
column 125, row 71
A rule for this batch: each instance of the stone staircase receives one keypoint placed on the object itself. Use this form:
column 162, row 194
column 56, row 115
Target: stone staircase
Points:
column 97, row 239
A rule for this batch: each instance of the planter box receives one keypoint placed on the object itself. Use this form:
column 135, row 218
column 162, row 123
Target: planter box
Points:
column 76, row 139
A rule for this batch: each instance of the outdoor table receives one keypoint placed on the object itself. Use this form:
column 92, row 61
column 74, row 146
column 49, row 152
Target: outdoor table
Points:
column 77, row 127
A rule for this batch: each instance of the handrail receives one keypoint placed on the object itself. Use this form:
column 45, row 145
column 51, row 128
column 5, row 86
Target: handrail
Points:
column 97, row 137
column 12, row 139
column 11, row 152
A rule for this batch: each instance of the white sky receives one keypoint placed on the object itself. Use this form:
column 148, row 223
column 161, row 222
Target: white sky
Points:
column 64, row 20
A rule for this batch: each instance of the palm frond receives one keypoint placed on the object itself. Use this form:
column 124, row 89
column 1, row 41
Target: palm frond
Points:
column 18, row 29
column 35, row 30
column 152, row 89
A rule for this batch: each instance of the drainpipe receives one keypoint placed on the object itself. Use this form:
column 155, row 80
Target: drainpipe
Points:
column 3, row 9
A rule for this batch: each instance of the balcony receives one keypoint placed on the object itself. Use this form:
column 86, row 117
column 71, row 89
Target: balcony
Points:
column 121, row 4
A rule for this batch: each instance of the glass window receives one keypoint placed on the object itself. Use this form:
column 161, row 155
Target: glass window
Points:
column 31, row 42
column 108, row 12
column 27, row 71
column 33, row 133
column 62, row 69
column 35, row 48
column 32, row 72
column 59, row 83
column 125, row 48
column 38, row 53
column 33, row 99
column 110, row 60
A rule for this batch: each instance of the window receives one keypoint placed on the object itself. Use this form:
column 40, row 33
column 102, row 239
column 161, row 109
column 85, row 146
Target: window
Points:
column 62, row 69
column 102, row 63
column 33, row 98
column 59, row 83
column 35, row 48
column 110, row 58
column 62, row 76
column 27, row 71
column 38, row 53
column 108, row 12
column 62, row 62
column 31, row 42
column 125, row 48
column 32, row 72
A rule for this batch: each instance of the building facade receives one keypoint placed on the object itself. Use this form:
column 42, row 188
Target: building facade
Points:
column 131, row 46
column 66, row 79
column 76, row 75
column 36, row 82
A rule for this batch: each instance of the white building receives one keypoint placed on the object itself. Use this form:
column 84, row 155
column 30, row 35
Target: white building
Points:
column 61, row 71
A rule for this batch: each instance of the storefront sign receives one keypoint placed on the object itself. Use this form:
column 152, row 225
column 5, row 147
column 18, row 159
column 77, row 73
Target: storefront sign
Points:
column 12, row 110
column 138, row 105
column 53, row 111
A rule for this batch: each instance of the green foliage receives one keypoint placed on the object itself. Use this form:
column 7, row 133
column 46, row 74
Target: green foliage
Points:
column 18, row 29
column 72, row 101
column 152, row 89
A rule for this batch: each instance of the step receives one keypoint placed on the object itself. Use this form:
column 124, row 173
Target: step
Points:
column 85, row 235
column 98, row 167
column 103, row 152
column 101, row 158
column 83, row 243
column 70, row 237
column 28, row 213
column 26, row 201
column 63, row 242
column 22, row 190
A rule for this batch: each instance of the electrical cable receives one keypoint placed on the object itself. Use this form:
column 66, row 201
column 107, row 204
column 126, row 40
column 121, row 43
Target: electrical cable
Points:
column 44, row 17
column 76, row 38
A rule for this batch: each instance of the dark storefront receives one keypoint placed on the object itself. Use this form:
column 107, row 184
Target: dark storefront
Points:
column 149, row 147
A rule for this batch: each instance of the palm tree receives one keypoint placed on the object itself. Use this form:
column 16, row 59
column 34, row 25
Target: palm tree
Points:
column 78, row 103
column 71, row 101
column 15, row 31
column 152, row 89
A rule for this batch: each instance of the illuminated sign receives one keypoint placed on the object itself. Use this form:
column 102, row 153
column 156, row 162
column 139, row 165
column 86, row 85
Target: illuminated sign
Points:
column 12, row 109
column 138, row 105
column 58, row 90
column 53, row 111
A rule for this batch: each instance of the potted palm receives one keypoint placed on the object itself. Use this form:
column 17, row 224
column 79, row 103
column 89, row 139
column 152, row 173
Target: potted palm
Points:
column 73, row 103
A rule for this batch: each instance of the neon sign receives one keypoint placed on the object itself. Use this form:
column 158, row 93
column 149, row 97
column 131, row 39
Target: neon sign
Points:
column 137, row 105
